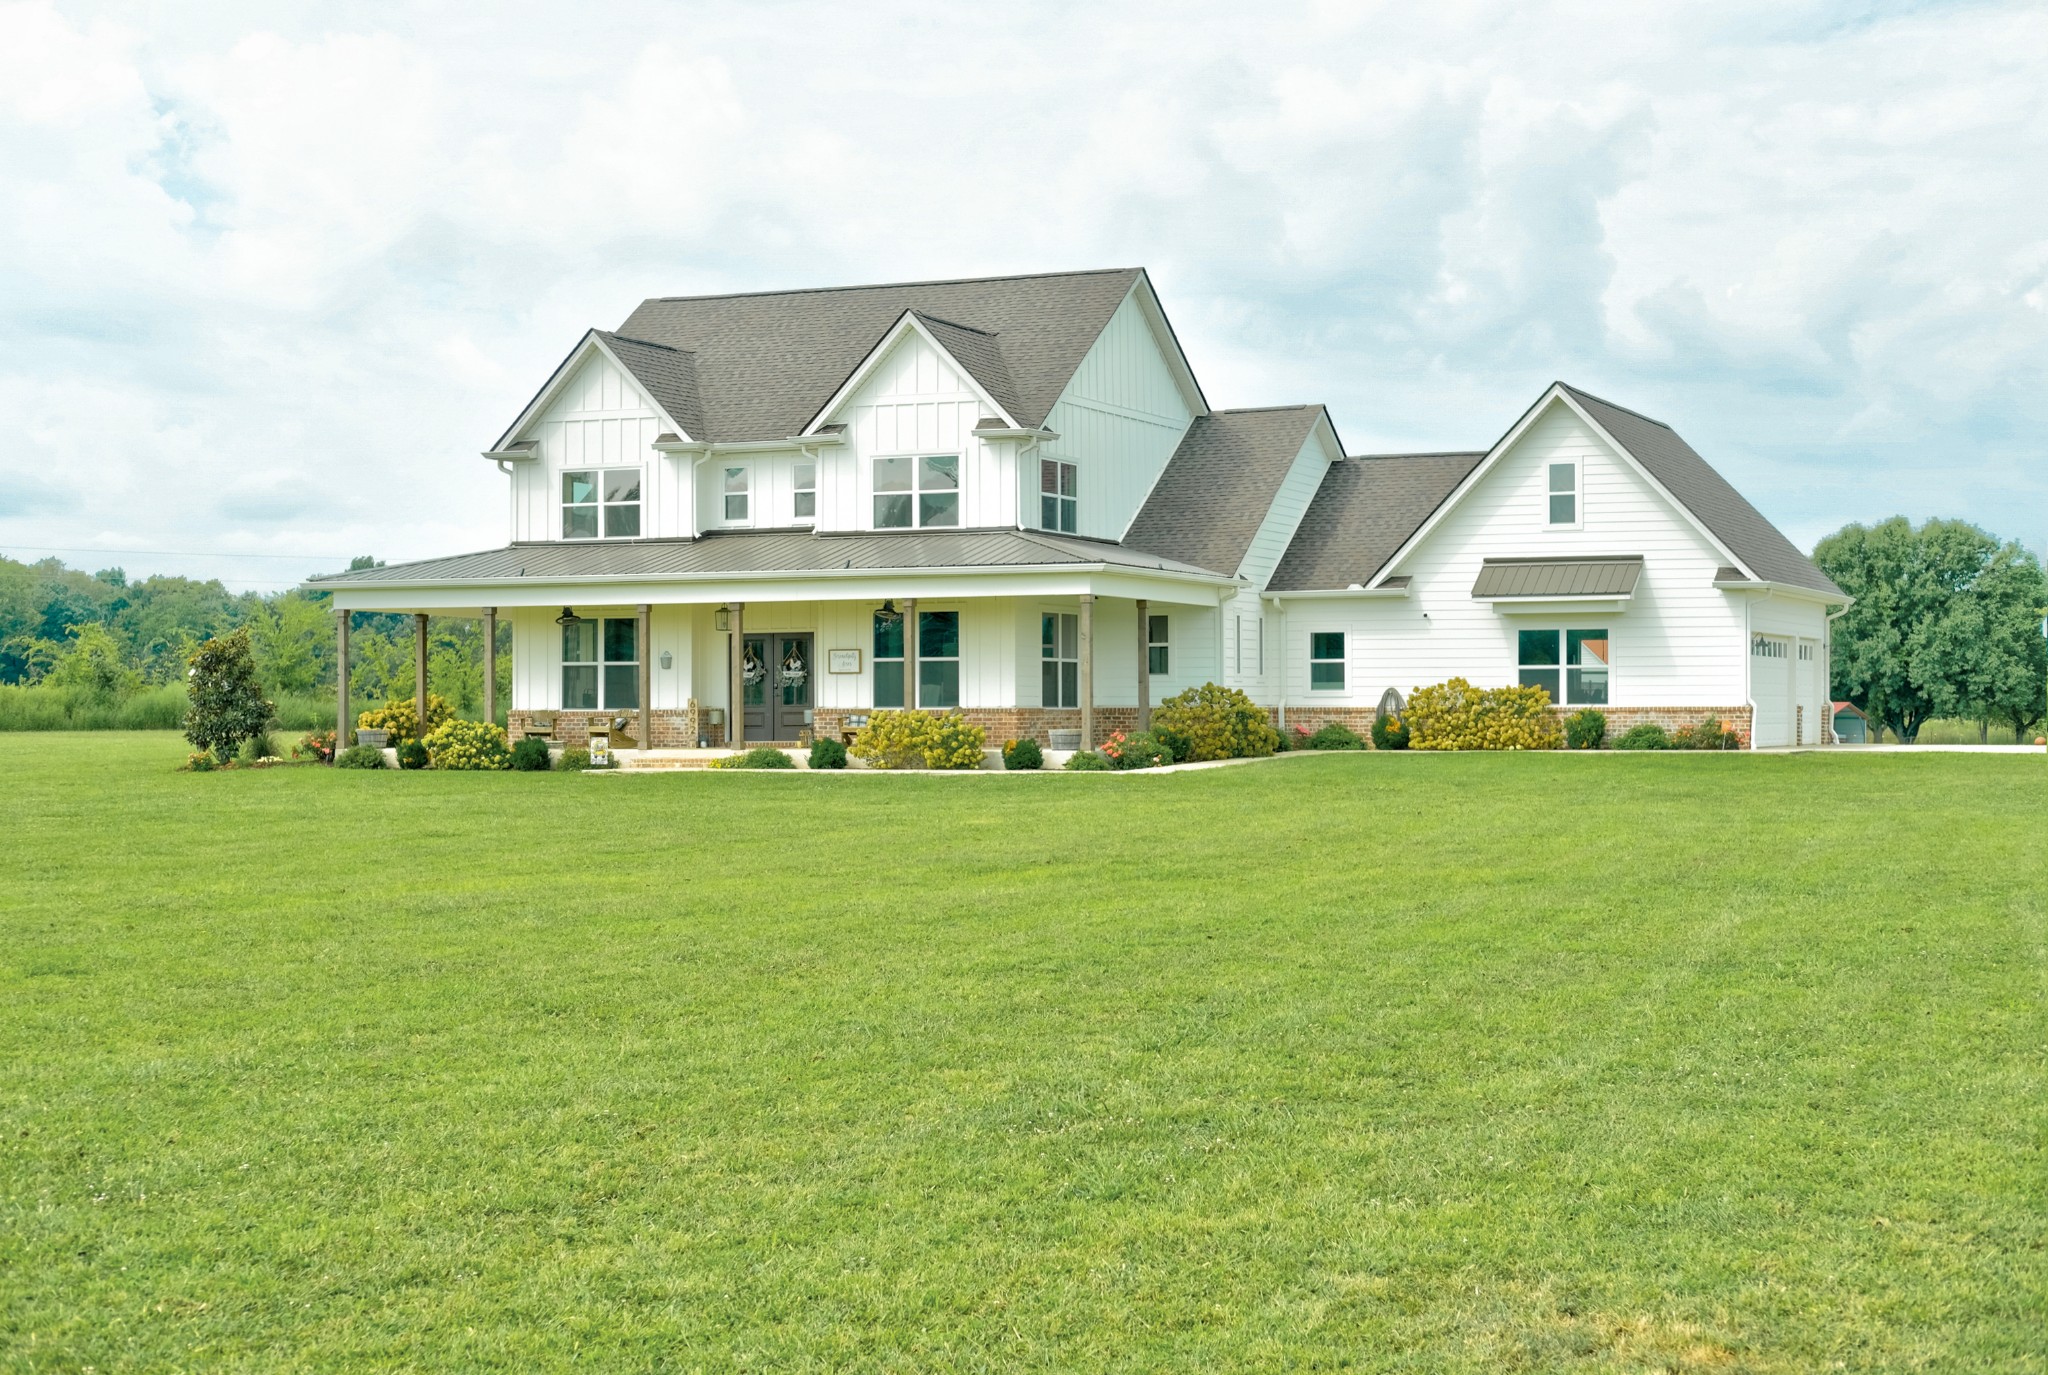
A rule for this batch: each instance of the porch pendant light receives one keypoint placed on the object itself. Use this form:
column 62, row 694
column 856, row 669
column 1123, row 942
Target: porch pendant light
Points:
column 568, row 618
column 721, row 619
column 888, row 615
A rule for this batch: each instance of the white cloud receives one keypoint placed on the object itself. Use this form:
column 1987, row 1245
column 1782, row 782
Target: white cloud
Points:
column 270, row 282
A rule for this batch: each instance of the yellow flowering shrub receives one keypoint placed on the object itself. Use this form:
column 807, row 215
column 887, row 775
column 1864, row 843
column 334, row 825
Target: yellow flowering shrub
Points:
column 398, row 717
column 1458, row 716
column 919, row 740
column 1215, row 723
column 468, row 745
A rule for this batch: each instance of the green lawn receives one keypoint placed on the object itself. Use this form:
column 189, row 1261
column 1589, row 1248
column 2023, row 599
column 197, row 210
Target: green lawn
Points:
column 1377, row 1063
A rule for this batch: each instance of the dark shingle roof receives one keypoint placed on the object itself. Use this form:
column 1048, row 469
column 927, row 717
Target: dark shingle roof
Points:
column 766, row 362
column 669, row 375
column 1707, row 494
column 760, row 551
column 978, row 352
column 1540, row 578
column 1220, row 483
column 1366, row 508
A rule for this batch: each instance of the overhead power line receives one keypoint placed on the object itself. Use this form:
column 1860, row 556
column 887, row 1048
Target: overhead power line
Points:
column 174, row 553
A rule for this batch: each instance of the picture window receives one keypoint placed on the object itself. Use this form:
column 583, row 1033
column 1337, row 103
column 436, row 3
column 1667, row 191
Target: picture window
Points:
column 601, row 503
column 917, row 492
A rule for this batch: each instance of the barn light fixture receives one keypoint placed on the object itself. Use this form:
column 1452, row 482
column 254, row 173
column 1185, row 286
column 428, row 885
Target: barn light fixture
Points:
column 568, row 617
column 888, row 615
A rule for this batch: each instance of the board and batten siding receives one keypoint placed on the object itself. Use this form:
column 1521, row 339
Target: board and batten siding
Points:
column 1290, row 503
column 1119, row 420
column 599, row 419
column 1679, row 642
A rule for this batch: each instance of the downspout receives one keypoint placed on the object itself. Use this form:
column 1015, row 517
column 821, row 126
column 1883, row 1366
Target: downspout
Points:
column 1280, row 658
column 1828, row 669
column 1749, row 660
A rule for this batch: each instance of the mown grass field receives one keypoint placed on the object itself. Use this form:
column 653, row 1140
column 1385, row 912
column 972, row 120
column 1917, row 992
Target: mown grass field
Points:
column 1374, row 1063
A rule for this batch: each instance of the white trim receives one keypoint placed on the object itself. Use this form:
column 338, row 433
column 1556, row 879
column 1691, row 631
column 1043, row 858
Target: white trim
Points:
column 726, row 522
column 907, row 321
column 1578, row 520
column 916, row 456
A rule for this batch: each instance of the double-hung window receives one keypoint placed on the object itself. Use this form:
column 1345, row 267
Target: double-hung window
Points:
column 888, row 660
column 1573, row 666
column 921, row 491
column 1059, row 651
column 601, row 664
column 805, row 487
column 1326, row 661
column 601, row 499
column 938, row 659
column 1156, row 653
column 739, row 483
column 1058, row 495
column 1563, row 493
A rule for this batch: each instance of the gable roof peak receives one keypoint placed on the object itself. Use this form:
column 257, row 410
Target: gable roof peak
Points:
column 907, row 286
column 1582, row 394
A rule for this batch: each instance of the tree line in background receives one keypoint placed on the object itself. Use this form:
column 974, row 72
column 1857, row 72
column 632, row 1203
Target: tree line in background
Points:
column 83, row 650
column 1946, row 624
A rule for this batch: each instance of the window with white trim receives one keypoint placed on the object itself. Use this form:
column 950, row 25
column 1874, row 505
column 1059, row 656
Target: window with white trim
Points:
column 1573, row 666
column 919, row 490
column 1765, row 647
column 805, row 500
column 601, row 664
column 1059, row 502
column 1157, row 653
column 1326, row 661
column 738, row 488
column 1059, row 659
column 1563, row 493
column 603, row 500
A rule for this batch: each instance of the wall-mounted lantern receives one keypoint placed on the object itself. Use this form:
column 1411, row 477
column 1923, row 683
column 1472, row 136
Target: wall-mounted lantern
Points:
column 722, row 618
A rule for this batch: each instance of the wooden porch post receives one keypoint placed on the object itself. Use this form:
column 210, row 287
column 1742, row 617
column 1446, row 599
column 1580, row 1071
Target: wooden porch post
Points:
column 1087, row 671
column 343, row 726
column 1144, row 666
column 419, row 671
column 490, row 663
column 910, row 654
column 646, row 679
column 736, row 691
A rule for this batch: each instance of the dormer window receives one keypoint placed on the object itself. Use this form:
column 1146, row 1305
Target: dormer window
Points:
column 1058, row 500
column 927, row 487
column 603, row 500
column 1564, row 494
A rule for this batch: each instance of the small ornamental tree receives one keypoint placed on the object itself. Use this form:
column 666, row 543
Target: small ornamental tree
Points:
column 228, row 706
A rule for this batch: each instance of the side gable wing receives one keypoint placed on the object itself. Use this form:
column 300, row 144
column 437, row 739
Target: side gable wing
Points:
column 666, row 378
column 1366, row 509
column 1219, row 490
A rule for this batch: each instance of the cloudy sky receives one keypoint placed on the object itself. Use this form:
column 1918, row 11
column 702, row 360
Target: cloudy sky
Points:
column 272, row 275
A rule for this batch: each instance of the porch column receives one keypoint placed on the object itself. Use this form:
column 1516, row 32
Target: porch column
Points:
column 646, row 680
column 1144, row 666
column 736, row 692
column 1087, row 671
column 910, row 654
column 419, row 671
column 343, row 726
column 490, row 663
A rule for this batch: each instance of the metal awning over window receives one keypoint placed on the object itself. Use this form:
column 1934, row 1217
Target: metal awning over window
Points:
column 1550, row 580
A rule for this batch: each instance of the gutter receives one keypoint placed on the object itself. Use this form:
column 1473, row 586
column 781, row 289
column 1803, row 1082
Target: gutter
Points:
column 771, row 575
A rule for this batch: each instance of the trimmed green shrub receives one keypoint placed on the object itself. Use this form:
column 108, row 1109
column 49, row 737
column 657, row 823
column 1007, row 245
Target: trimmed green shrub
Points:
column 1389, row 732
column 761, row 757
column 199, row 761
column 228, row 706
column 469, row 746
column 1584, row 730
column 575, row 761
column 1335, row 735
column 413, row 755
column 1141, row 751
column 1023, row 754
column 1087, row 761
column 1709, row 734
column 359, row 757
column 1183, row 749
column 1454, row 715
column 398, row 717
column 1217, row 723
column 920, row 740
column 827, row 753
column 530, row 755
column 1647, row 736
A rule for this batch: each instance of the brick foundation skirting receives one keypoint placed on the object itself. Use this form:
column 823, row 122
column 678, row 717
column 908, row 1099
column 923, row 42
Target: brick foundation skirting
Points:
column 672, row 730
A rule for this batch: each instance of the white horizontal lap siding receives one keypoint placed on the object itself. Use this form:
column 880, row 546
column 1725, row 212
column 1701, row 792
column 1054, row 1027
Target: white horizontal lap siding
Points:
column 916, row 402
column 599, row 420
column 1679, row 642
column 1119, row 420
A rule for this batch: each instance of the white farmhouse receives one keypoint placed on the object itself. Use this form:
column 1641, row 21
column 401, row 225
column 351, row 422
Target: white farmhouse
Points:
column 1009, row 497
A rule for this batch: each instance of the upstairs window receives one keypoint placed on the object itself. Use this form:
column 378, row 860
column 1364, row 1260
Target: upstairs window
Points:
column 927, row 488
column 1058, row 500
column 1571, row 665
column 738, row 493
column 1156, row 655
column 601, row 664
column 1059, row 659
column 806, row 505
column 1564, row 493
column 603, row 500
column 1326, row 661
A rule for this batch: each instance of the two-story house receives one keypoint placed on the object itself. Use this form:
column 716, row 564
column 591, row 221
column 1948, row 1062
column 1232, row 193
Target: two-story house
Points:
column 1010, row 497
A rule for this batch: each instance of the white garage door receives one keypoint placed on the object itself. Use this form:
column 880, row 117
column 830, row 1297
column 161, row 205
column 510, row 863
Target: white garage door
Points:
column 1810, row 721
column 1771, row 688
